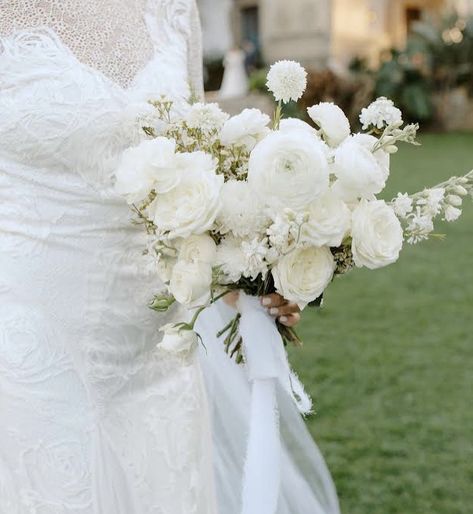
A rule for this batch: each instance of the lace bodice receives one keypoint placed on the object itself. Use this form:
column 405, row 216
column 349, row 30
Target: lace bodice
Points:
column 110, row 35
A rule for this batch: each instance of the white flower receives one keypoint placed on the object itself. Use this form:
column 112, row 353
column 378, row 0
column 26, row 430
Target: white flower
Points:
column 454, row 200
column 241, row 213
column 286, row 231
column 329, row 221
column 380, row 113
column 452, row 213
column 192, row 206
column 288, row 170
column 207, row 117
column 419, row 227
column 153, row 164
column 302, row 275
column 177, row 340
column 432, row 200
column 230, row 259
column 198, row 248
column 402, row 205
column 292, row 124
column 383, row 157
column 332, row 121
column 255, row 252
column 245, row 129
column 191, row 283
column 287, row 80
column 358, row 171
column 377, row 235
column 164, row 266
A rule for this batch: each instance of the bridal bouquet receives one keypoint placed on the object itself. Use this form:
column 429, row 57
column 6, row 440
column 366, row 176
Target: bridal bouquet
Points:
column 266, row 205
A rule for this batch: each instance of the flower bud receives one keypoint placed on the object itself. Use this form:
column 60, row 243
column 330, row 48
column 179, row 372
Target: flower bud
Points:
column 391, row 149
column 454, row 200
column 161, row 303
column 460, row 190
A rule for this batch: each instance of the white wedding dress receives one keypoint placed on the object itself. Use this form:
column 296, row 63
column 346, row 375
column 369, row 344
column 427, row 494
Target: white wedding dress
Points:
column 95, row 418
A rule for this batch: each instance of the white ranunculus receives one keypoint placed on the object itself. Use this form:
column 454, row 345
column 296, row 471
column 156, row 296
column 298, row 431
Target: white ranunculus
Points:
column 198, row 248
column 302, row 275
column 332, row 121
column 191, row 282
column 377, row 235
column 246, row 129
column 288, row 170
column 329, row 221
column 358, row 171
column 241, row 213
column 164, row 267
column 178, row 340
column 383, row 158
column 150, row 165
column 192, row 206
column 292, row 124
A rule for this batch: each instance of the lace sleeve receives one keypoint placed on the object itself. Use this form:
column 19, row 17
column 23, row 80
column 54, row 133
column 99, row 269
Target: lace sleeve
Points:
column 195, row 63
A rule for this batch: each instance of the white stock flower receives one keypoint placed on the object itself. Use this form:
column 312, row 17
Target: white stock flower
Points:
column 230, row 259
column 432, row 200
column 241, row 213
column 377, row 235
column 332, row 122
column 358, row 171
column 191, row 283
column 192, row 206
column 419, row 227
column 402, row 205
column 177, row 340
column 255, row 252
column 288, row 170
column 452, row 213
column 198, row 248
column 302, row 275
column 245, row 129
column 207, row 117
column 381, row 113
column 153, row 164
column 287, row 80
column 329, row 221
column 286, row 230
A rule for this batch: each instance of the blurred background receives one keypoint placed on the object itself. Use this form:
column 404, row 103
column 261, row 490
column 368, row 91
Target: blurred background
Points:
column 389, row 358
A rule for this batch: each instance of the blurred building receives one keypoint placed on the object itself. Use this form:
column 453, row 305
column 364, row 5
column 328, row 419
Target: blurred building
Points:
column 318, row 32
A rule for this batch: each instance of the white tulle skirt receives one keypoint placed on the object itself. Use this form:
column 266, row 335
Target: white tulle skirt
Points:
column 306, row 485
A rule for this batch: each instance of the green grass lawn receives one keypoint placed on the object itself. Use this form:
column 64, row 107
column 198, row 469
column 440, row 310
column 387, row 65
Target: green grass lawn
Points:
column 389, row 362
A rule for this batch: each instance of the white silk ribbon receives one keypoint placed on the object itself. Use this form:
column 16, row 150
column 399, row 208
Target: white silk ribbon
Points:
column 268, row 368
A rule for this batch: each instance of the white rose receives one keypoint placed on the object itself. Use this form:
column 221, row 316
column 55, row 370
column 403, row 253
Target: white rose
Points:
column 177, row 340
column 150, row 165
column 190, row 283
column 245, row 129
column 377, row 235
column 198, row 248
column 332, row 121
column 358, row 171
column 288, row 170
column 302, row 275
column 329, row 221
column 192, row 206
column 164, row 267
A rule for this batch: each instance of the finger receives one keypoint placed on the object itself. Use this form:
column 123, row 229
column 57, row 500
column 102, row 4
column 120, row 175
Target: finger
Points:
column 288, row 308
column 290, row 320
column 273, row 300
column 231, row 298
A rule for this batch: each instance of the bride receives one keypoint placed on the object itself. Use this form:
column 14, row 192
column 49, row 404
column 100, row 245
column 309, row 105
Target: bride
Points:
column 96, row 417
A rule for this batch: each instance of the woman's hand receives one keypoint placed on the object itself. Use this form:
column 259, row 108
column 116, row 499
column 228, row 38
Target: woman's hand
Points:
column 287, row 313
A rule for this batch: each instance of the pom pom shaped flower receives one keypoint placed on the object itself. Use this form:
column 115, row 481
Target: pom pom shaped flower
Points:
column 332, row 122
column 206, row 117
column 381, row 113
column 287, row 80
column 288, row 170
